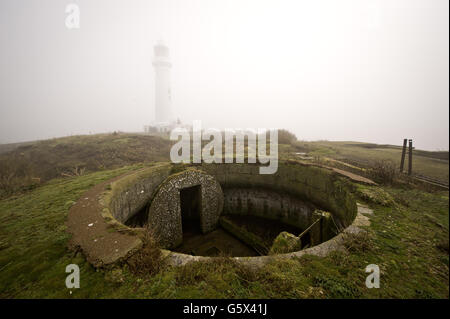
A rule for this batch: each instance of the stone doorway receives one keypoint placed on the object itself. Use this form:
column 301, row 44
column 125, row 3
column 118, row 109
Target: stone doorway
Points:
column 187, row 195
column 191, row 205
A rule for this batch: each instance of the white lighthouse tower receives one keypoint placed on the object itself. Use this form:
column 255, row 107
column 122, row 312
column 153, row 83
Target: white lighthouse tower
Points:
column 164, row 119
column 162, row 66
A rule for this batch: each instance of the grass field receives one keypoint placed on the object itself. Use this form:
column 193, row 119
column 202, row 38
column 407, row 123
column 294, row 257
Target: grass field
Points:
column 408, row 238
column 51, row 158
column 431, row 164
column 409, row 241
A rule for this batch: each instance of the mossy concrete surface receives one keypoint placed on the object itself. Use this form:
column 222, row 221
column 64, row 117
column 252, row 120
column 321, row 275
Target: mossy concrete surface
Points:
column 285, row 243
column 130, row 194
column 102, row 240
column 95, row 220
column 245, row 236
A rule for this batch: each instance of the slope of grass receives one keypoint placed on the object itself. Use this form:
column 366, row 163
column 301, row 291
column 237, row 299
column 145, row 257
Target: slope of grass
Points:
column 50, row 158
column 23, row 165
column 409, row 241
column 424, row 163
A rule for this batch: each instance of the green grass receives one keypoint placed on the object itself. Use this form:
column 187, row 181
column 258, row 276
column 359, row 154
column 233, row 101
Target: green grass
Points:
column 48, row 159
column 431, row 164
column 406, row 240
column 34, row 238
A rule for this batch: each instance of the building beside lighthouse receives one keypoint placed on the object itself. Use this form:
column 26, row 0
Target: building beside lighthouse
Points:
column 164, row 121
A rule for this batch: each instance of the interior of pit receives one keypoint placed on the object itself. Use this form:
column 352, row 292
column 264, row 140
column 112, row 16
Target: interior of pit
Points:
column 223, row 241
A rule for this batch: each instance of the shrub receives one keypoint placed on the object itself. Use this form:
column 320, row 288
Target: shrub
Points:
column 384, row 172
column 15, row 175
column 286, row 137
column 148, row 260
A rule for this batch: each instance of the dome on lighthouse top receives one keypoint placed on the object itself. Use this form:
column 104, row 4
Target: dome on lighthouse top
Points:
column 160, row 49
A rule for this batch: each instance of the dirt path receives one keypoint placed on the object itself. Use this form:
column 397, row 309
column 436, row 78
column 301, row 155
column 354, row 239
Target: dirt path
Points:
column 100, row 244
column 352, row 176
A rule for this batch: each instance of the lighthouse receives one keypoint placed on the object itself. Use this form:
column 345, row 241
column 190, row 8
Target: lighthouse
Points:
column 162, row 66
column 164, row 120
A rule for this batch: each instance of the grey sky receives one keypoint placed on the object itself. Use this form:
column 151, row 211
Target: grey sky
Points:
column 374, row 71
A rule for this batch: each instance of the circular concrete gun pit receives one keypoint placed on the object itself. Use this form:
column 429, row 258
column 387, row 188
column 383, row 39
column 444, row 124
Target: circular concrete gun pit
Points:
column 199, row 211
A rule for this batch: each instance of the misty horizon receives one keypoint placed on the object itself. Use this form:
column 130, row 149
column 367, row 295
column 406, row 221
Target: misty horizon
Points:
column 367, row 71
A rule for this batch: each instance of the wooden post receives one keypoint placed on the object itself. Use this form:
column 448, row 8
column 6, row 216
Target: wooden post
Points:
column 402, row 162
column 410, row 158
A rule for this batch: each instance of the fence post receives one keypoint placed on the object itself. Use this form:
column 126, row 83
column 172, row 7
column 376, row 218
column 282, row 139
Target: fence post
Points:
column 402, row 163
column 410, row 158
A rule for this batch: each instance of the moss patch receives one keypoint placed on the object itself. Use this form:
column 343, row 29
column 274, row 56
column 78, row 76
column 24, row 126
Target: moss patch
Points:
column 375, row 195
column 285, row 243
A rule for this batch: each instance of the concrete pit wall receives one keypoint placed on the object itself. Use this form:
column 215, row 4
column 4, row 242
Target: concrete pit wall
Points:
column 268, row 204
column 291, row 193
column 132, row 193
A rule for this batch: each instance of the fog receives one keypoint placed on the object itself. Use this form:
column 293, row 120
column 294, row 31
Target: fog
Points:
column 373, row 71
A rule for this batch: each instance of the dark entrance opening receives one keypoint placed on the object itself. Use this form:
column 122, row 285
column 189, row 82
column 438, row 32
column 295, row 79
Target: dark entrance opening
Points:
column 190, row 203
column 139, row 219
column 306, row 240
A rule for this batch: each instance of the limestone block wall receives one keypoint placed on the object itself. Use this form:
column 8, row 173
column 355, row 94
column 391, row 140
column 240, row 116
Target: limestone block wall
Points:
column 164, row 214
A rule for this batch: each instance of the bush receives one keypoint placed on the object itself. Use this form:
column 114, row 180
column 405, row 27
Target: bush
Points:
column 148, row 260
column 383, row 172
column 15, row 175
column 286, row 137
